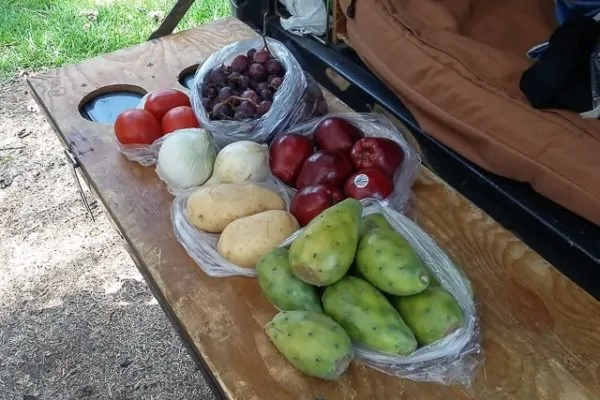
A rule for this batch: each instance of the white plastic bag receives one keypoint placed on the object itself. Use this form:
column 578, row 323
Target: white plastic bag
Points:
column 294, row 101
column 201, row 246
column 308, row 17
column 451, row 360
column 376, row 125
column 144, row 154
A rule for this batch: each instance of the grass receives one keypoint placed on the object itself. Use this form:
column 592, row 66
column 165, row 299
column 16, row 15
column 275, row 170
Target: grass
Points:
column 36, row 34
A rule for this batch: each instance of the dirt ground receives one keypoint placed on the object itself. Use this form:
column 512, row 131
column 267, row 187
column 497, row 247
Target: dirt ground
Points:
column 77, row 320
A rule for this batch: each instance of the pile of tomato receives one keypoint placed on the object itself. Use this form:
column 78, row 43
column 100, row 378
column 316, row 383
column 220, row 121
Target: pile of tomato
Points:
column 165, row 111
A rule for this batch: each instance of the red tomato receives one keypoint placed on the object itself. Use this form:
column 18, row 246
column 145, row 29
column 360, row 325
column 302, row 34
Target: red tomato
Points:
column 137, row 127
column 179, row 118
column 162, row 100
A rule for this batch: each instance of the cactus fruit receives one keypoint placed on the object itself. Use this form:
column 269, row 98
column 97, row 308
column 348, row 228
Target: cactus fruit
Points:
column 324, row 251
column 432, row 314
column 372, row 221
column 313, row 342
column 388, row 261
column 368, row 316
column 281, row 287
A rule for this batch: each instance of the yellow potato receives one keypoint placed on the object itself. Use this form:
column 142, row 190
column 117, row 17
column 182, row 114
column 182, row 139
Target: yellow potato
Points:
column 211, row 208
column 246, row 240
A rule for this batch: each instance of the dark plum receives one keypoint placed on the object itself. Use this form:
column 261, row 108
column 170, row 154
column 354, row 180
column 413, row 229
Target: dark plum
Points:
column 261, row 56
column 257, row 71
column 209, row 91
column 240, row 64
column 251, row 95
column 241, row 115
column 276, row 81
column 233, row 77
column 225, row 110
column 245, row 88
column 216, row 76
column 225, row 93
column 262, row 86
column 247, row 106
column 266, row 94
column 253, row 84
column 263, row 107
column 274, row 67
column 235, row 101
column 244, row 82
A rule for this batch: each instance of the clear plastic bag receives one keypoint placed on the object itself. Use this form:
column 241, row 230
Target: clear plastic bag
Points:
column 143, row 154
column 291, row 102
column 376, row 125
column 201, row 246
column 451, row 360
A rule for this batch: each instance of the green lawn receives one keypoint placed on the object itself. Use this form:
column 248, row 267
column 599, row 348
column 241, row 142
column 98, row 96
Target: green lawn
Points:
column 45, row 33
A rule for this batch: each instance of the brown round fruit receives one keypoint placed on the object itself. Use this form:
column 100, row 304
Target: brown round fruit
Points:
column 257, row 71
column 261, row 56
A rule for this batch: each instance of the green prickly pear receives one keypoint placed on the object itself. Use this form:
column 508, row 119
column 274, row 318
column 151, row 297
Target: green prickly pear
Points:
column 368, row 316
column 325, row 249
column 434, row 282
column 372, row 221
column 313, row 342
column 432, row 314
column 281, row 287
column 388, row 261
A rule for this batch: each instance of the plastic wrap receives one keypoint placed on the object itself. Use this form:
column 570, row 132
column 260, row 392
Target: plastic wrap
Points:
column 454, row 359
column 144, row 154
column 201, row 246
column 290, row 97
column 376, row 125
column 451, row 360
column 307, row 17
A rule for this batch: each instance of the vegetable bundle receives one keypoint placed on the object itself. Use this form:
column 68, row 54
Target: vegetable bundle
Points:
column 312, row 208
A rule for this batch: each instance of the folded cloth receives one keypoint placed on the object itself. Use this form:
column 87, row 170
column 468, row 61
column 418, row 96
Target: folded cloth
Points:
column 561, row 78
column 563, row 10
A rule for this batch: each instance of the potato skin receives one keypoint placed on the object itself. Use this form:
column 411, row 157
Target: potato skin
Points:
column 244, row 241
column 211, row 208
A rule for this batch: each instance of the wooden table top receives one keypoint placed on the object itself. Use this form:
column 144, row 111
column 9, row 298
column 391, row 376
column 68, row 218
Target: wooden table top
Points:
column 541, row 331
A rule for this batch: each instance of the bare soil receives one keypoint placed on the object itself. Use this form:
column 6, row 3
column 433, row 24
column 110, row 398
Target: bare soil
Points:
column 77, row 320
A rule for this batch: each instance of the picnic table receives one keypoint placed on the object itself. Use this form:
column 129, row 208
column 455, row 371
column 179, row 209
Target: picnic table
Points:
column 541, row 331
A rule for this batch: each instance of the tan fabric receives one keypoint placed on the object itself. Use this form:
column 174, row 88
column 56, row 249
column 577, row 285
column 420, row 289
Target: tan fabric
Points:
column 457, row 64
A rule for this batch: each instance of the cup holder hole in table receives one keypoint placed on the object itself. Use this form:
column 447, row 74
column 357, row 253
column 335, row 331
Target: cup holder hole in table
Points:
column 105, row 104
column 186, row 76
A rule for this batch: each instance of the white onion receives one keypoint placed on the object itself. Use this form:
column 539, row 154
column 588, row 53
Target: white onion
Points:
column 186, row 158
column 243, row 161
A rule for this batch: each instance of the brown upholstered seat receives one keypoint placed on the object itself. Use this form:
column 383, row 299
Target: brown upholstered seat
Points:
column 457, row 64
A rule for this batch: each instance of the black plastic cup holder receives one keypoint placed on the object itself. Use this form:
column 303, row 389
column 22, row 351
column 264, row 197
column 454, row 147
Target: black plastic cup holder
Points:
column 105, row 104
column 186, row 76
